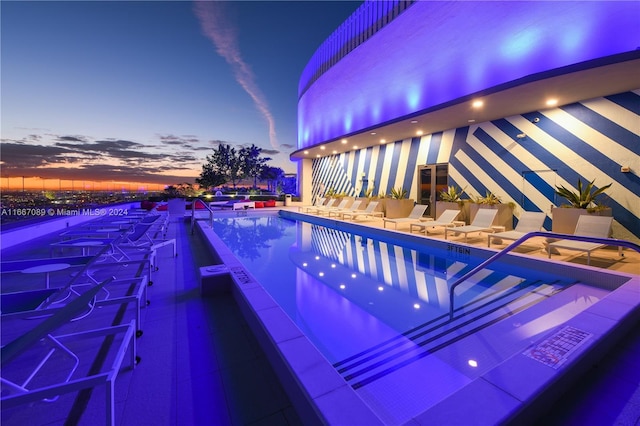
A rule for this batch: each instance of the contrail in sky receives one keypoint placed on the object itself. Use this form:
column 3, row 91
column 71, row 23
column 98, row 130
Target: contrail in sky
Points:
column 223, row 36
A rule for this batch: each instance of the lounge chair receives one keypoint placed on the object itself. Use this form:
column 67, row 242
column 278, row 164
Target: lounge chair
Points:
column 588, row 226
column 339, row 212
column 446, row 219
column 333, row 203
column 341, row 206
column 481, row 223
column 528, row 222
column 414, row 216
column 29, row 359
column 319, row 203
column 369, row 212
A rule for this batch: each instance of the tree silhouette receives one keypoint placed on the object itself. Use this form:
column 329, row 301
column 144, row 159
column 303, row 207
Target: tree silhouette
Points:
column 252, row 163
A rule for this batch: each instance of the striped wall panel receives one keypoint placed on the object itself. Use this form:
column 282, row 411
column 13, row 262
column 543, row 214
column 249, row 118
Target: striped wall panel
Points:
column 588, row 140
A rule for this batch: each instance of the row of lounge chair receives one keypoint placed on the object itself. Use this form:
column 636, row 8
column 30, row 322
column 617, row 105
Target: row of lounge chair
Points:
column 87, row 309
column 593, row 226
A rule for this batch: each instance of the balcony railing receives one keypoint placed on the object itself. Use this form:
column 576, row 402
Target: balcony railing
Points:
column 364, row 22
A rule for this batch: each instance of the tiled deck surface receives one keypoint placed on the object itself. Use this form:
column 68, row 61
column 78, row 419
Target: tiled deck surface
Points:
column 201, row 364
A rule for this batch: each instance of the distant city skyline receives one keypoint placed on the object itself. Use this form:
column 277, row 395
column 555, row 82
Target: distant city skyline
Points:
column 142, row 91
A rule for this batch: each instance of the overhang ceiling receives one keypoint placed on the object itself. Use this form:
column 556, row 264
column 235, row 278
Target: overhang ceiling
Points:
column 521, row 97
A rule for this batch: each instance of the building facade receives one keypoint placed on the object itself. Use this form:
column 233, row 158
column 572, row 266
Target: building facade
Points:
column 514, row 98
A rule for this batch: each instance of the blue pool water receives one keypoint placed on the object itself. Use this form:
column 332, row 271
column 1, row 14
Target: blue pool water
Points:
column 351, row 294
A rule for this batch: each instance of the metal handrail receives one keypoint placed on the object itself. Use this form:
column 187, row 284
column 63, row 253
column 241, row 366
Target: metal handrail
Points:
column 193, row 214
column 525, row 237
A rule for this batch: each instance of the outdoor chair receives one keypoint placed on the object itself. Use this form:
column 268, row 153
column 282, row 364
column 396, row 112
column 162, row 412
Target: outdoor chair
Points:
column 414, row 216
column 481, row 223
column 446, row 219
column 342, row 205
column 588, row 226
column 369, row 212
column 528, row 222
column 339, row 212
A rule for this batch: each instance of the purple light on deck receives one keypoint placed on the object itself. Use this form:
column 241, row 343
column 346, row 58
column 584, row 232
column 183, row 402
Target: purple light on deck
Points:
column 437, row 52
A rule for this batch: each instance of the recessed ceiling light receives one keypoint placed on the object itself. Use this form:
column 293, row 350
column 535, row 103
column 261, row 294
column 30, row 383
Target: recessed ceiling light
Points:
column 306, row 152
column 335, row 152
column 419, row 133
column 414, row 121
column 373, row 133
column 322, row 148
column 344, row 141
column 471, row 121
column 355, row 147
column 317, row 155
column 551, row 102
column 383, row 140
column 477, row 104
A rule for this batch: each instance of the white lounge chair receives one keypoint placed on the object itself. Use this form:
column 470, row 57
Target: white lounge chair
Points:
column 414, row 216
column 528, row 222
column 341, row 206
column 319, row 203
column 588, row 226
column 369, row 212
column 339, row 212
column 446, row 219
column 481, row 223
column 333, row 203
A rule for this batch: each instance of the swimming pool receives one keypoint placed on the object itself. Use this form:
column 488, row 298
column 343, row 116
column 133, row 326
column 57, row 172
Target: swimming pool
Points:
column 403, row 358
column 370, row 290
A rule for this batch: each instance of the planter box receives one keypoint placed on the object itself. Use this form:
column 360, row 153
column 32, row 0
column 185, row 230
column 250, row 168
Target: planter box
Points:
column 504, row 217
column 398, row 208
column 565, row 219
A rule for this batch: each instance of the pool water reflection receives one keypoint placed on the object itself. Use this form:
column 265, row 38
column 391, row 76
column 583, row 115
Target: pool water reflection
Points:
column 349, row 293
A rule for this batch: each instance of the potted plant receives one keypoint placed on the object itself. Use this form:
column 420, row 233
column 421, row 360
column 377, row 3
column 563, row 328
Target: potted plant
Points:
column 398, row 205
column 504, row 217
column 582, row 201
column 450, row 199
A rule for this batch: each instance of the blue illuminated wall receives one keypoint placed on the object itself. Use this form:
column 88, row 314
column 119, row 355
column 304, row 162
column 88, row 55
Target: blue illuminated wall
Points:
column 436, row 52
column 587, row 140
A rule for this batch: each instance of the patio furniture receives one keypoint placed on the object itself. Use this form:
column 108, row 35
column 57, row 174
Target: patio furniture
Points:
column 414, row 216
column 528, row 222
column 339, row 212
column 588, row 226
column 369, row 212
column 446, row 219
column 481, row 223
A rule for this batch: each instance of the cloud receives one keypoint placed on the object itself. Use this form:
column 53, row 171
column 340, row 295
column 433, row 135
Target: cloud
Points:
column 216, row 27
column 72, row 138
column 270, row 151
column 18, row 155
column 186, row 140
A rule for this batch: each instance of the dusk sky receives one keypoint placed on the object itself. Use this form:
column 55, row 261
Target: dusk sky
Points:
column 142, row 91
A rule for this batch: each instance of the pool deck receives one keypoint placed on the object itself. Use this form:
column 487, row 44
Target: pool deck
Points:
column 201, row 363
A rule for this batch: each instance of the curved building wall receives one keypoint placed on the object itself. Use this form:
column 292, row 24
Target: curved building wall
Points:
column 436, row 52
column 587, row 140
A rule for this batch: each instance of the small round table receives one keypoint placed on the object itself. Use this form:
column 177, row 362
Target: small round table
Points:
column 46, row 269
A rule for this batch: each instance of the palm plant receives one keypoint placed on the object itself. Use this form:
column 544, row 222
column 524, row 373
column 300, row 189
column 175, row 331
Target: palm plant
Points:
column 583, row 198
column 490, row 199
column 451, row 194
column 398, row 193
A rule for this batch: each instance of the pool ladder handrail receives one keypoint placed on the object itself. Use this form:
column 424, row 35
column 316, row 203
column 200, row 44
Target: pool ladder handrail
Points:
column 193, row 214
column 525, row 237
